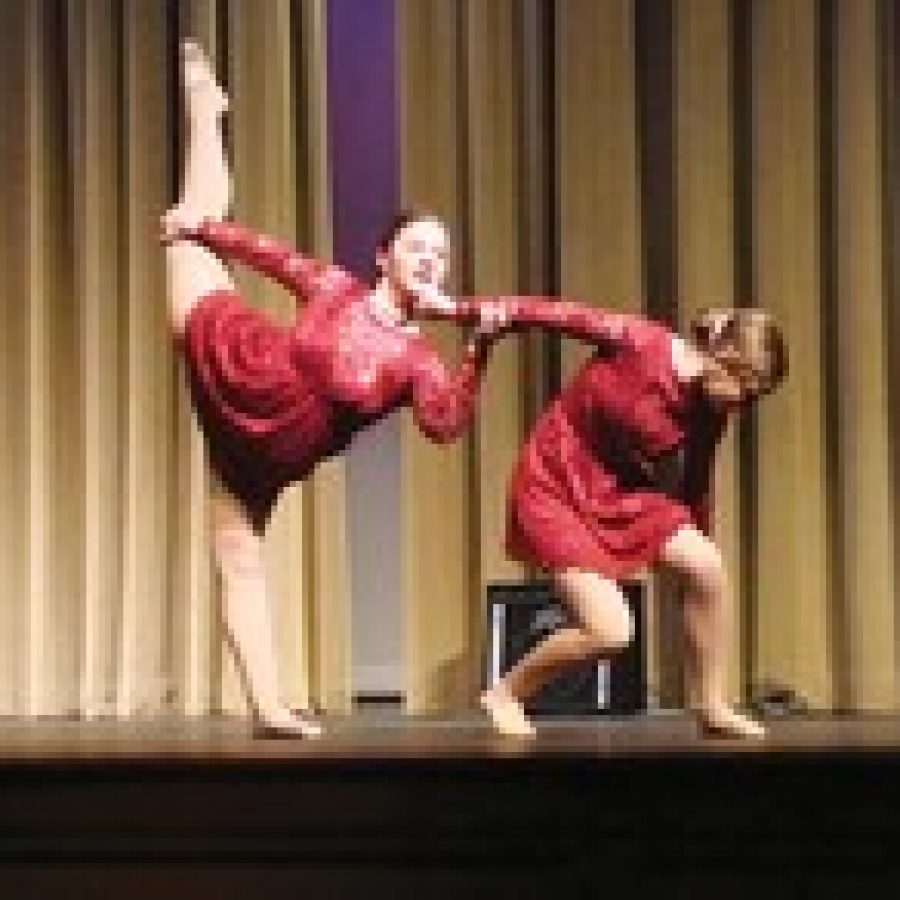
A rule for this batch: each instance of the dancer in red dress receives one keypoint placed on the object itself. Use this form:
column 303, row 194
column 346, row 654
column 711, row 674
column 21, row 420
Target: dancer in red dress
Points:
column 274, row 401
column 587, row 500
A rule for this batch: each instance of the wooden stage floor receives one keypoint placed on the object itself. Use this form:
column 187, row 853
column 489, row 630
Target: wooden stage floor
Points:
column 381, row 737
column 387, row 806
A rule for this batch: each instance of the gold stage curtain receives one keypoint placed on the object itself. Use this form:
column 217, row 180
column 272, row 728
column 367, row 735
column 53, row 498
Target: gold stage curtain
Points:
column 108, row 603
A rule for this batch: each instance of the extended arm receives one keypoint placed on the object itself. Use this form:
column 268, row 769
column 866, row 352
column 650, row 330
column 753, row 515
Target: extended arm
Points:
column 302, row 275
column 514, row 313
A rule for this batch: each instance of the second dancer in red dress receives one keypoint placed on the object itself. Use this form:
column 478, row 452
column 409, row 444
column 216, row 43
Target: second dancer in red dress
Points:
column 590, row 499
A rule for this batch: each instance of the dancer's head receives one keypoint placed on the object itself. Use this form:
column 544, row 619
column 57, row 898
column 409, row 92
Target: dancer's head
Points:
column 746, row 351
column 413, row 255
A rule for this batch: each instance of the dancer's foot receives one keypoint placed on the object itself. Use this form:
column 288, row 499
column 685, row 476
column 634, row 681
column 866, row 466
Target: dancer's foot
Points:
column 286, row 724
column 506, row 713
column 724, row 722
column 202, row 93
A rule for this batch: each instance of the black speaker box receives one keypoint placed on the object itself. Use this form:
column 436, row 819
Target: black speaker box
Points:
column 522, row 613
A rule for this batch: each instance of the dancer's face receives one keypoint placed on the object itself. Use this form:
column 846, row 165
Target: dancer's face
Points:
column 416, row 263
column 724, row 389
column 730, row 381
column 732, row 375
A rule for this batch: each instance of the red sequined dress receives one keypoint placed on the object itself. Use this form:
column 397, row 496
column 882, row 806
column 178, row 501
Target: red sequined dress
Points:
column 620, row 459
column 274, row 401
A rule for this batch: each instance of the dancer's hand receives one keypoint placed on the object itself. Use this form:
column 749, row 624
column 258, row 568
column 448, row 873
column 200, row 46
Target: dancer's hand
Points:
column 430, row 298
column 493, row 320
column 493, row 315
column 175, row 222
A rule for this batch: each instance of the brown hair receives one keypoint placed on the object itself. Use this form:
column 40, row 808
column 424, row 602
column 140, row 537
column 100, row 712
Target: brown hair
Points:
column 398, row 222
column 746, row 342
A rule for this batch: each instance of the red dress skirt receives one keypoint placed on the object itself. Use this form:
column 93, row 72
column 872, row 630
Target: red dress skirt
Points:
column 264, row 420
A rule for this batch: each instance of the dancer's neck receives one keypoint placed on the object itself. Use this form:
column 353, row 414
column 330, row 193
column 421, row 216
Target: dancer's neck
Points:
column 390, row 301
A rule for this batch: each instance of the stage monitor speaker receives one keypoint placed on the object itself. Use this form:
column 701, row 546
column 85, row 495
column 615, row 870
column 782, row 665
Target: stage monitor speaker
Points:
column 521, row 613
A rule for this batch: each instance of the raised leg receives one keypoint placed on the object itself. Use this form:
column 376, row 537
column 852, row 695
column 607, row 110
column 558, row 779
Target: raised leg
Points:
column 193, row 271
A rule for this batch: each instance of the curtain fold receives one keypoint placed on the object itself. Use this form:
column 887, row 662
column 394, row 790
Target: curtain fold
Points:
column 109, row 602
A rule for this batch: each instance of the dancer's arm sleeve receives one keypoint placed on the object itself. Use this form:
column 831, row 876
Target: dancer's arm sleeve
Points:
column 303, row 276
column 443, row 400
column 571, row 318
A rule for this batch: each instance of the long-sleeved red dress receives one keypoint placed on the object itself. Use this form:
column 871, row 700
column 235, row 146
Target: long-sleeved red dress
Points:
column 274, row 401
column 592, row 488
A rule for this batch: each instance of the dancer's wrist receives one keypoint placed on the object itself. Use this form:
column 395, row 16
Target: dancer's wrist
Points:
column 478, row 348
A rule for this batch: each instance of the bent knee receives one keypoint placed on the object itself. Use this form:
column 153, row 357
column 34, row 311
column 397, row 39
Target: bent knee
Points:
column 622, row 632
column 613, row 635
column 708, row 575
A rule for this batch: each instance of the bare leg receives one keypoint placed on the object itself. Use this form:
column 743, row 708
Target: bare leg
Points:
column 205, row 193
column 605, row 626
column 194, row 272
column 706, row 619
column 238, row 550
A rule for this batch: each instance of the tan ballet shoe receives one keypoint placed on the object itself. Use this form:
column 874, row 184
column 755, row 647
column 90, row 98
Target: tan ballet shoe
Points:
column 507, row 715
column 202, row 91
column 286, row 724
column 724, row 722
